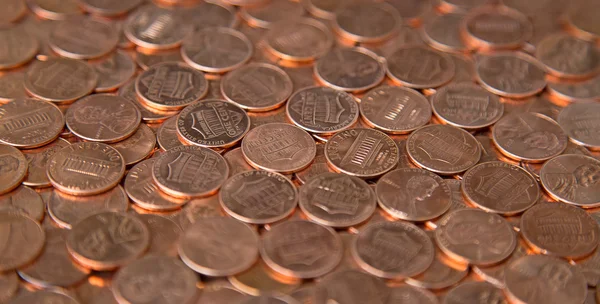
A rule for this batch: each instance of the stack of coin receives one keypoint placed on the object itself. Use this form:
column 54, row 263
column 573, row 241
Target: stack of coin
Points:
column 286, row 151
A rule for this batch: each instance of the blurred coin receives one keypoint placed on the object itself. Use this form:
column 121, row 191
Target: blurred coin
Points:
column 30, row 123
column 367, row 22
column 12, row 86
column 405, row 294
column 109, row 8
column 220, row 294
column 83, row 38
column 25, row 200
column 164, row 234
column 166, row 136
column 196, row 210
column 142, row 190
column 210, row 13
column 420, row 67
column 138, row 146
column 216, row 50
column 113, row 71
column 461, row 5
column 156, row 28
column 44, row 297
column 259, row 279
column 237, row 163
column 495, row 274
column 9, row 284
column 580, row 122
column 21, row 47
column 146, row 58
column 13, row 11
column 464, row 68
column 149, row 115
column 582, row 19
column 13, row 168
column 23, row 240
column 488, row 150
column 535, row 168
column 299, row 40
column 55, row 10
column 95, row 290
column 576, row 91
column 271, row 299
column 265, row 16
column 513, row 75
column 350, row 69
column 457, row 201
column 495, row 28
column 568, row 57
column 573, row 179
column 475, row 292
column 443, row 33
column 351, row 287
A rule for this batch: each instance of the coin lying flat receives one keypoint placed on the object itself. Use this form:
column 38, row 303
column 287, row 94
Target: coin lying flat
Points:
column 419, row 67
column 153, row 27
column 217, row 50
column 259, row 279
column 299, row 40
column 513, row 75
column 138, row 146
column 579, row 121
column 271, row 299
column 25, row 200
column 367, row 22
column 9, row 285
column 109, row 8
column 50, row 9
column 44, row 297
column 12, row 86
column 30, row 123
column 405, row 294
column 113, row 71
column 220, row 294
column 23, row 239
column 210, row 13
column 443, row 33
column 146, row 58
column 23, row 47
column 475, row 292
column 495, row 274
column 166, row 136
column 265, row 16
column 142, row 190
column 164, row 234
column 83, row 38
column 318, row 166
column 350, row 69
column 568, row 57
column 237, row 163
column 13, row 168
column 149, row 115
column 351, row 287
column 572, row 179
column 494, row 28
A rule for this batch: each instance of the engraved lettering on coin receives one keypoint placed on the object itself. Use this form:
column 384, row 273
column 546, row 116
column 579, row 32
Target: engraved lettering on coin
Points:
column 513, row 75
column 573, row 179
column 30, row 123
column 13, row 168
column 83, row 38
column 581, row 123
column 18, row 46
column 420, row 67
column 367, row 22
column 114, row 71
column 351, row 287
column 351, row 70
column 217, row 50
column 53, row 297
column 566, row 56
column 475, row 292
column 265, row 16
column 142, row 190
column 24, row 200
column 166, row 136
column 496, row 28
column 153, row 27
column 299, row 40
column 109, row 7
column 22, row 240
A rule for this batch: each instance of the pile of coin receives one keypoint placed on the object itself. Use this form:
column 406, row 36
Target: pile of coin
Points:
column 281, row 151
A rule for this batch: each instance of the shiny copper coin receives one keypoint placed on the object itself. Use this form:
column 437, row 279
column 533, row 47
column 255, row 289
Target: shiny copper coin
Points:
column 299, row 40
column 13, row 168
column 443, row 33
column 211, row 13
column 351, row 287
column 494, row 28
column 9, row 285
column 578, row 91
column 408, row 294
column 153, row 27
column 581, row 18
column 113, row 71
column 66, row 210
column 259, row 280
column 109, row 8
column 475, row 292
column 21, row 47
column 542, row 279
column 196, row 210
column 589, row 268
column 535, row 168
column 413, row 195
column 189, row 171
column 30, row 123
column 54, row 297
column 258, row 197
column 579, row 121
column 96, row 290
column 337, row 200
column 236, row 162
column 301, row 249
column 265, row 16
column 367, row 22
column 529, row 136
column 13, row 11
column 461, row 5
column 146, row 58
column 270, row 299
column 164, row 234
column 170, row 86
column 12, row 86
column 318, row 166
column 86, row 168
column 351, row 69
column 25, row 200
column 513, row 75
column 257, row 87
column 568, row 57
column 573, row 179
column 395, row 110
column 489, row 152
column 495, row 274
column 142, row 190
column 83, row 38
column 542, row 228
column 457, row 201
column 166, row 136
column 443, row 149
column 138, row 146
column 420, row 67
column 153, row 280
column 220, row 294
column 216, row 50
column 475, row 237
column 149, row 115
column 464, row 68
column 60, row 79
column 219, row 246
column 23, row 239
column 500, row 188
column 55, row 10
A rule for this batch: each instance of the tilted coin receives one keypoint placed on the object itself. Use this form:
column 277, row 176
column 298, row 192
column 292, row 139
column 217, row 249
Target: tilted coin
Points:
column 495, row 274
column 60, row 79
column 258, row 197
column 573, row 179
column 443, row 149
column 443, row 33
column 494, row 28
column 23, row 239
column 149, row 115
column 580, row 122
column 318, row 166
column 146, row 58
column 263, row 118
column 299, row 40
column 219, row 246
column 220, row 294
column 12, row 86
column 475, row 292
column 25, row 200
column 395, row 110
column 153, row 27
column 529, row 136
column 170, row 86
column 50, row 9
column 37, row 159
column 216, row 50
column 13, row 168
column 30, row 123
column 142, row 190
column 138, row 146
column 413, row 194
column 109, row 8
column 166, row 136
column 83, row 38
column 543, row 279
column 9, row 285
column 407, row 294
column 154, row 280
column 212, row 123
column 164, row 234
column 337, row 200
column 265, row 16
column 513, row 75
column 489, row 152
column 95, row 290
column 86, row 168
column 403, row 159
column 350, row 69
column 351, row 287
column 257, row 87
column 461, row 6
column 259, row 280
column 575, row 91
column 535, row 168
column 589, row 268
column 211, row 13
column 113, row 71
column 367, row 22
column 475, row 237
column 420, row 67
column 21, row 47
column 568, row 57
column 560, row 230
column 36, row 297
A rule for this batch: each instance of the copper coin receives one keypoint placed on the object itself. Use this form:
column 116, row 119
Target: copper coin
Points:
column 337, row 200
column 513, row 75
column 138, row 146
column 45, row 297
column 189, row 171
column 461, row 5
column 301, row 249
column 500, row 188
column 142, row 190
column 96, row 290
column 164, row 234
column 488, row 150
column 149, row 115
column 55, row 10
column 113, row 71
column 395, row 110
column 259, row 280
column 265, row 16
column 83, row 38
column 54, row 267
column 271, row 299
column 322, row 110
column 258, row 197
column 60, row 79
column 25, row 200
column 403, row 159
column 529, row 136
column 109, row 8
column 579, row 121
column 263, row 118
column 257, row 87
column 153, row 280
column 443, row 33
column 299, row 40
column 318, row 166
column 219, row 246
column 573, row 179
column 351, row 69
column 535, row 168
column 475, row 292
column 495, row 274
column 475, row 237
column 170, row 86
column 494, row 28
column 196, row 210
column 582, row 19
column 279, row 147
column 443, row 149
column 21, row 47
column 13, row 11
column 407, row 294
column 365, row 153
column 420, row 67
column 9, row 285
column 568, row 57
column 467, row 106
column 578, row 91
column 166, row 136
column 542, row 279
column 12, row 86
column 13, row 168
column 146, row 58
column 156, row 28
column 413, row 194
column 23, row 239
column 30, row 123
column 237, row 163
column 367, row 22
column 351, row 287
column 464, row 68
column 589, row 268
column 66, row 210
column 86, row 168
column 457, row 201
column 220, row 294
column 324, row 9
column 211, row 13
column 212, row 123
column 216, row 50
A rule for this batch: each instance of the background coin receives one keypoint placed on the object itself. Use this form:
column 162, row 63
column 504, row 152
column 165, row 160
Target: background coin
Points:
column 217, row 50
column 142, row 190
column 366, row 22
column 24, row 200
column 156, row 28
column 23, row 47
column 494, row 28
column 15, row 227
column 572, row 179
column 351, row 69
column 420, row 67
column 474, row 291
column 83, row 38
column 512, row 75
column 13, row 166
column 578, row 121
column 299, row 40
column 113, row 71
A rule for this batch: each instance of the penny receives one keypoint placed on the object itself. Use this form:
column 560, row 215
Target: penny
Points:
column 457, row 201
column 259, row 279
column 45, row 297
column 196, row 210
column 138, row 146
column 155, row 279
column 299, row 40
column 443, row 149
column 500, row 188
column 578, row 120
column 271, row 299
column 23, row 239
column 488, row 150
column 495, row 274
column 475, row 292
column 572, row 179
column 12, row 86
column 258, row 197
column 9, row 285
column 212, row 123
column 210, row 14
column 367, row 22
column 464, row 68
column 365, row 153
column 237, row 163
column 142, row 190
column 60, row 80
column 164, row 234
column 443, row 33
column 318, row 166
column 408, row 294
column 146, row 58
column 13, row 11
column 109, row 8
column 475, row 237
column 21, row 47
column 55, row 10
column 95, row 290
column 568, row 57
column 156, row 28
column 337, row 200
column 149, row 115
column 543, row 279
column 530, row 137
column 265, row 16
column 495, row 28
column 216, row 50
column 219, row 246
column 580, row 17
column 513, row 75
column 467, row 106
column 113, row 71
column 24, row 200
column 350, row 69
column 413, row 194
column 29, row 123
column 257, row 87
column 395, row 110
column 83, row 38
column 166, row 136
column 220, row 294
column 578, row 91
column 351, row 287
column 13, row 168
column 420, row 67
column 535, row 168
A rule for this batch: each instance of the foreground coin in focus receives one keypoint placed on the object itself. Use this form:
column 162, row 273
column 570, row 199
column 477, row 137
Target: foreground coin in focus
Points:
column 13, row 168
column 30, row 123
column 22, row 239
column 351, row 70
column 580, row 122
column 142, row 190
column 512, row 75
column 573, row 179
